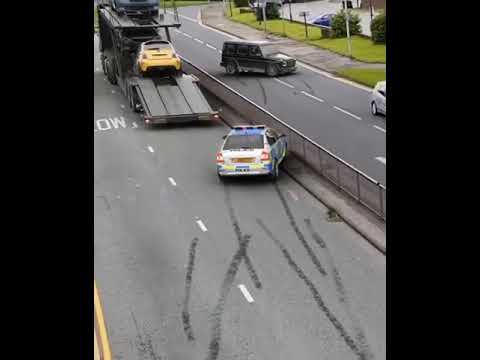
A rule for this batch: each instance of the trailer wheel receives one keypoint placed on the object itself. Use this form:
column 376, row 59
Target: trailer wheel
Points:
column 110, row 72
column 102, row 59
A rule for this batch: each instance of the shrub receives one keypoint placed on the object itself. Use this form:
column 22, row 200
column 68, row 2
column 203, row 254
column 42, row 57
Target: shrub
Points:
column 339, row 26
column 378, row 28
column 271, row 12
column 240, row 3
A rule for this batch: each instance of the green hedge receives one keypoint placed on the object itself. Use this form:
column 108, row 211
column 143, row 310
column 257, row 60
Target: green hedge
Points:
column 378, row 29
column 339, row 26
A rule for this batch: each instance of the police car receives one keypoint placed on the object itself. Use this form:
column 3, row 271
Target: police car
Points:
column 251, row 150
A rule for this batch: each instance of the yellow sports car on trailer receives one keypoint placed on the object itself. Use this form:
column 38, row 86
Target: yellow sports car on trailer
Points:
column 158, row 55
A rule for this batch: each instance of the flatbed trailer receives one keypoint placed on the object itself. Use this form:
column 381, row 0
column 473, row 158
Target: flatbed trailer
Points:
column 161, row 98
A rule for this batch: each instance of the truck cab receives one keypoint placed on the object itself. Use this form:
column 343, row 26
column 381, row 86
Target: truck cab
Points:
column 136, row 7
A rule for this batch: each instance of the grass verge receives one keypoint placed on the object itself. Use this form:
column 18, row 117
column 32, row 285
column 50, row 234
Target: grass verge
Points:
column 368, row 77
column 363, row 49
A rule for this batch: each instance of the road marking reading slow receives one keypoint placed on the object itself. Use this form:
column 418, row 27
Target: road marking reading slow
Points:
column 151, row 149
column 211, row 47
column 198, row 40
column 201, row 226
column 348, row 113
column 284, row 83
column 379, row 128
column 311, row 96
column 382, row 160
column 245, row 293
column 172, row 181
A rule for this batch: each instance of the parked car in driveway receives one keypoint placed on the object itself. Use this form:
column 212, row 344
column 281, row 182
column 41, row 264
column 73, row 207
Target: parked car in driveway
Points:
column 255, row 56
column 322, row 20
column 378, row 99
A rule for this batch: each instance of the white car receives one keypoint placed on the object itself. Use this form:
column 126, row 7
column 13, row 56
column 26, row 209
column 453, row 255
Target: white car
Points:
column 251, row 150
column 378, row 99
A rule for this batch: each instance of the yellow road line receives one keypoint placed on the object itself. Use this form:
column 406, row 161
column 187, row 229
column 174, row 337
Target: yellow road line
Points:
column 100, row 328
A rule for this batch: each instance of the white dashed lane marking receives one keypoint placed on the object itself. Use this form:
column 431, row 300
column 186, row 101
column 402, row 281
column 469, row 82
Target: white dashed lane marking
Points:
column 348, row 113
column 382, row 160
column 379, row 128
column 187, row 35
column 311, row 96
column 172, row 181
column 284, row 83
column 198, row 40
column 201, row 225
column 151, row 149
column 211, row 47
column 245, row 293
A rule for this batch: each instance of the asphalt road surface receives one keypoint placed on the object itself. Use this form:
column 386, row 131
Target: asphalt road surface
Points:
column 189, row 268
column 330, row 112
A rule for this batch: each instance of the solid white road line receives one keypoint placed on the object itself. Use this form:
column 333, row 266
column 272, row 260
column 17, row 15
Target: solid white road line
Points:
column 150, row 149
column 172, row 181
column 134, row 124
column 211, row 47
column 379, row 128
column 382, row 160
column 348, row 113
column 245, row 293
column 201, row 226
column 311, row 96
column 284, row 83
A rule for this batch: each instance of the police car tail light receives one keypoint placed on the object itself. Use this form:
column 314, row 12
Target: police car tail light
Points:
column 220, row 158
column 265, row 156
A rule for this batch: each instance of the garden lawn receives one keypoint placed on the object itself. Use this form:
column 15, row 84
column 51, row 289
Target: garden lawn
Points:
column 368, row 77
column 363, row 49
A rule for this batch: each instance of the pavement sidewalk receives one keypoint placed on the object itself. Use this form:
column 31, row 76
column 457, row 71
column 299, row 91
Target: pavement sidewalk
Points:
column 212, row 15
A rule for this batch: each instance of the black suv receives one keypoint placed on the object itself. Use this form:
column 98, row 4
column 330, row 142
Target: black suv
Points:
column 255, row 57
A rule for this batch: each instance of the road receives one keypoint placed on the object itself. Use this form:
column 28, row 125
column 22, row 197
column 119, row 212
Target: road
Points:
column 190, row 268
column 337, row 116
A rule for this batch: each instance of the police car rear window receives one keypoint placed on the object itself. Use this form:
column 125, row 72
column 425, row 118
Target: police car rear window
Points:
column 237, row 142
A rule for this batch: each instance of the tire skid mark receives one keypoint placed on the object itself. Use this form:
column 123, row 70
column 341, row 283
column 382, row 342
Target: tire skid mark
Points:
column 214, row 346
column 187, row 327
column 238, row 233
column 144, row 346
column 264, row 93
column 105, row 200
column 309, row 87
column 316, row 295
column 299, row 234
column 342, row 294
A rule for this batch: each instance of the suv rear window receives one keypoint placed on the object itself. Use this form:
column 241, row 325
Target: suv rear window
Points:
column 236, row 142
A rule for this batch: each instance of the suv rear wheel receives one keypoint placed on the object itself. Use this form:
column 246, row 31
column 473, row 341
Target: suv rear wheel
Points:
column 231, row 68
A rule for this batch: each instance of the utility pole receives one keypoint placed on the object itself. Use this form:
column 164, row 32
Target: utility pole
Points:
column 290, row 8
column 347, row 19
column 264, row 5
